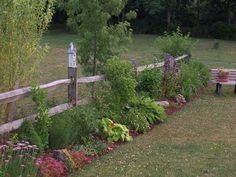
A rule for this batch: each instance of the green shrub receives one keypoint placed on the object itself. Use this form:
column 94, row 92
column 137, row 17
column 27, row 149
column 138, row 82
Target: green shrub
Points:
column 59, row 135
column 73, row 126
column 193, row 76
column 121, row 77
column 149, row 83
column 175, row 44
column 83, row 122
column 105, row 102
column 28, row 133
column 216, row 44
column 221, row 30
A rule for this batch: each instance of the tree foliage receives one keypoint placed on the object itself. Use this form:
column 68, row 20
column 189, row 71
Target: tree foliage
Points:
column 102, row 30
column 22, row 23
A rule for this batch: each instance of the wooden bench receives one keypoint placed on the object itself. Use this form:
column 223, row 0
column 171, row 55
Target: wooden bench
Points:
column 232, row 79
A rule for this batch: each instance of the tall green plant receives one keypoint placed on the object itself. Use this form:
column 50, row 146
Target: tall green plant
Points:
column 43, row 120
column 120, row 75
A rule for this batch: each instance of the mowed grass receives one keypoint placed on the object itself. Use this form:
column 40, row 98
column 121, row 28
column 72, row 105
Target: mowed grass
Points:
column 200, row 140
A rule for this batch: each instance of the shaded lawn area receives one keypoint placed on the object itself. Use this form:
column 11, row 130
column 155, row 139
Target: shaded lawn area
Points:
column 200, row 140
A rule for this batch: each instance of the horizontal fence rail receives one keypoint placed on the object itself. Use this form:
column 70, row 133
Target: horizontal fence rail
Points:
column 15, row 95
column 159, row 65
column 12, row 96
column 14, row 125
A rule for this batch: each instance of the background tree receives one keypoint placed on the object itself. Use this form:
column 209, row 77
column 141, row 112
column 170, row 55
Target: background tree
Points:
column 22, row 24
column 101, row 34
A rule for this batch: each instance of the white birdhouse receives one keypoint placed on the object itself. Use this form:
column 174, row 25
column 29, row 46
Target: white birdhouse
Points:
column 72, row 56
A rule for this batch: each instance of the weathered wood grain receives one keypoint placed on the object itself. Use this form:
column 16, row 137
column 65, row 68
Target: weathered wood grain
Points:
column 15, row 95
column 84, row 80
column 159, row 65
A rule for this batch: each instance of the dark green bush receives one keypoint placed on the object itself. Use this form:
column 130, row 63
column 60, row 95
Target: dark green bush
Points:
column 59, row 135
column 193, row 76
column 149, row 83
column 73, row 126
column 221, row 30
column 28, row 133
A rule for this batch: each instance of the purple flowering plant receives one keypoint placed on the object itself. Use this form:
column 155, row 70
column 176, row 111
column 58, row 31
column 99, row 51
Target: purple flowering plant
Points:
column 18, row 159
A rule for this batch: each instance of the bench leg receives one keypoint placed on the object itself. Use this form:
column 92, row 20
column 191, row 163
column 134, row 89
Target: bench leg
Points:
column 218, row 89
column 235, row 89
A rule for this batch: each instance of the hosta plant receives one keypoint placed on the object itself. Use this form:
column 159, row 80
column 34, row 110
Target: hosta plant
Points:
column 114, row 131
column 151, row 110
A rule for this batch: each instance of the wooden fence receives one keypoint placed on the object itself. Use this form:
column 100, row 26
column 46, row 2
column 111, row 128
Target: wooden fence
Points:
column 71, row 82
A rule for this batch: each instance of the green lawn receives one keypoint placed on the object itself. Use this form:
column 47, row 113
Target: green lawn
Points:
column 200, row 140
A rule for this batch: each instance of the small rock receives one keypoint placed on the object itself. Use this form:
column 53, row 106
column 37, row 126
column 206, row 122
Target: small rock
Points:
column 180, row 99
column 59, row 155
column 163, row 103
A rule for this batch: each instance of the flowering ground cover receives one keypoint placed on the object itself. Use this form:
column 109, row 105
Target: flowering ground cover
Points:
column 199, row 140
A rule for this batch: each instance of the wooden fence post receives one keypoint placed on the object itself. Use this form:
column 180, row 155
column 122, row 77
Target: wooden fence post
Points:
column 72, row 75
column 187, row 60
column 11, row 109
column 135, row 64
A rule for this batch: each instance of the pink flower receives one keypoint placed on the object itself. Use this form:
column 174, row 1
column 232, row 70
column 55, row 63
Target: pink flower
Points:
column 50, row 167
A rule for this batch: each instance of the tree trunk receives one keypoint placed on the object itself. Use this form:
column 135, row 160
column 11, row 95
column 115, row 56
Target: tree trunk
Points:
column 168, row 17
column 198, row 14
column 229, row 15
column 11, row 110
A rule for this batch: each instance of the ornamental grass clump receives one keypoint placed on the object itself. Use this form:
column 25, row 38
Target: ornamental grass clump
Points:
column 18, row 159
column 193, row 76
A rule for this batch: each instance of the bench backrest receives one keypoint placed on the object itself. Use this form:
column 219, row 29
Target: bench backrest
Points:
column 232, row 74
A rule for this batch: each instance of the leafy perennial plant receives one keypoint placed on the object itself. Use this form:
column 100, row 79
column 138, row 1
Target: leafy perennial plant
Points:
column 114, row 131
